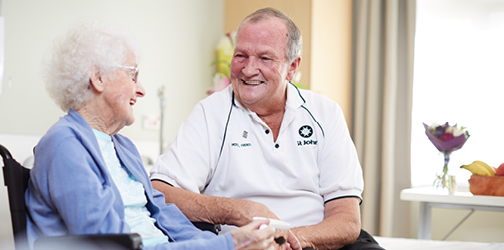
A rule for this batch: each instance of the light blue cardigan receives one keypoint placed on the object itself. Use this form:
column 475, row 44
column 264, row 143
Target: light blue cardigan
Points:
column 71, row 192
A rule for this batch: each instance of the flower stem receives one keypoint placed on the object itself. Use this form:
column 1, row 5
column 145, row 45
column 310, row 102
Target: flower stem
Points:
column 445, row 171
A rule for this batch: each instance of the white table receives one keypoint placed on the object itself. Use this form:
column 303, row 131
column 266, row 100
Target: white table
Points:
column 462, row 199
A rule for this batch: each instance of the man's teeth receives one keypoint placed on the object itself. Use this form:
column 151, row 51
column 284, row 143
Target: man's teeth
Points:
column 252, row 82
column 132, row 102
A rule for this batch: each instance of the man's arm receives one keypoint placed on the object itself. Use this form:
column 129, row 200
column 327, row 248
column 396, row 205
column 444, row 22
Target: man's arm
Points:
column 212, row 209
column 341, row 226
column 217, row 210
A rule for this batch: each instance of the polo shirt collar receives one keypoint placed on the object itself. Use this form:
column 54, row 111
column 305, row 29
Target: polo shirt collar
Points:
column 294, row 98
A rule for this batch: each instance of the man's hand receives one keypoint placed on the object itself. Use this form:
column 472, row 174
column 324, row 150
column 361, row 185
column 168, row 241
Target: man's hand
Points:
column 340, row 227
column 212, row 209
column 244, row 210
column 293, row 242
column 220, row 210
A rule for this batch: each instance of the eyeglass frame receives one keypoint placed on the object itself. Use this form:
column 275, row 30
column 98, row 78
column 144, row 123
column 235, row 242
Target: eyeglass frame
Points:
column 135, row 76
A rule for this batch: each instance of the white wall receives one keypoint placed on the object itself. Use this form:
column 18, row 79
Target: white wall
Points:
column 177, row 39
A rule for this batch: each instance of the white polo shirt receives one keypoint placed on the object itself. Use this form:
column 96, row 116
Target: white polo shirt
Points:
column 223, row 149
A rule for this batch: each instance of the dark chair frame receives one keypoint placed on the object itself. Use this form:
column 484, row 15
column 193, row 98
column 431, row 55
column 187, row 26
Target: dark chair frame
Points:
column 16, row 179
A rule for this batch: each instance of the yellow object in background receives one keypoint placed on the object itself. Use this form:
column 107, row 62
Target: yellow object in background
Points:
column 479, row 168
column 225, row 49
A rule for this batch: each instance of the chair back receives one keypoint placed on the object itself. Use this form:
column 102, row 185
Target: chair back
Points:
column 16, row 179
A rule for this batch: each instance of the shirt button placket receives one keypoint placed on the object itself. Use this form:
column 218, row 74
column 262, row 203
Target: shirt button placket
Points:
column 267, row 131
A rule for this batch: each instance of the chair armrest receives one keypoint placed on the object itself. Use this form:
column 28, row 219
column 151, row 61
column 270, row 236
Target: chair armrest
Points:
column 131, row 241
column 207, row 226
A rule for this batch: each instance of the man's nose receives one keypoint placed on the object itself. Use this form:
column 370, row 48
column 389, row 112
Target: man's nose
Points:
column 251, row 67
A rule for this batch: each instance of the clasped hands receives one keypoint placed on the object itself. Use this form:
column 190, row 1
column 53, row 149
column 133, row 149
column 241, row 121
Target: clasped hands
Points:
column 252, row 236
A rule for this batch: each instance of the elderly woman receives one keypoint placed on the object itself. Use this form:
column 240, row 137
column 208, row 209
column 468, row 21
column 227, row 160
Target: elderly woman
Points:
column 87, row 178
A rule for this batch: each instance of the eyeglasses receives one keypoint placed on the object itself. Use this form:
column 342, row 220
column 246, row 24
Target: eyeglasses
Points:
column 135, row 69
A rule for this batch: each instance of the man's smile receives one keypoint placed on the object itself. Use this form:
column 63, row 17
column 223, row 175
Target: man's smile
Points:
column 252, row 82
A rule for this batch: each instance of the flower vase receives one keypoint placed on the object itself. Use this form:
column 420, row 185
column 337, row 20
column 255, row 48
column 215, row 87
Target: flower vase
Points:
column 446, row 181
column 446, row 139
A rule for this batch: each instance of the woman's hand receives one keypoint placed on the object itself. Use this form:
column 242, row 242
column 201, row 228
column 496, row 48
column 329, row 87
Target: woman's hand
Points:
column 286, row 240
column 251, row 237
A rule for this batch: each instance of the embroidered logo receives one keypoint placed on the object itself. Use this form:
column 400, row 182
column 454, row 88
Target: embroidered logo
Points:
column 243, row 145
column 305, row 131
column 245, row 134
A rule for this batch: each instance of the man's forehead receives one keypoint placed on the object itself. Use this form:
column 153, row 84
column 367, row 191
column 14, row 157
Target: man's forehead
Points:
column 259, row 20
column 264, row 27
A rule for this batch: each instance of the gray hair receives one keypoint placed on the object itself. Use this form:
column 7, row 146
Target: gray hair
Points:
column 90, row 46
column 295, row 39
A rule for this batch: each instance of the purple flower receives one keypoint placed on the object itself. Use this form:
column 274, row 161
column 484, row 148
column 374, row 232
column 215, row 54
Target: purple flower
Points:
column 440, row 130
column 444, row 139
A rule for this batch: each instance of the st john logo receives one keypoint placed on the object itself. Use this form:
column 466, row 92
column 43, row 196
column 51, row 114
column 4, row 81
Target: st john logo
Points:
column 305, row 131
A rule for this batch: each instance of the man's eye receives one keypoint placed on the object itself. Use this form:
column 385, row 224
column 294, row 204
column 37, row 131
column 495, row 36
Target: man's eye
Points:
column 265, row 58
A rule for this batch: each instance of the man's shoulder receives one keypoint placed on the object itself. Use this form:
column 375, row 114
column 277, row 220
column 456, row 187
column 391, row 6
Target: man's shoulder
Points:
column 318, row 103
column 218, row 99
column 216, row 106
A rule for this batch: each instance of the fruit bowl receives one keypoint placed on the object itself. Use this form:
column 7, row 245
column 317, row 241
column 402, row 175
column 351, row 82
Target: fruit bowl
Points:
column 486, row 185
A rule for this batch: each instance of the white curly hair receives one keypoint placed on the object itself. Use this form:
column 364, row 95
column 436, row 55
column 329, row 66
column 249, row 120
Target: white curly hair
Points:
column 91, row 45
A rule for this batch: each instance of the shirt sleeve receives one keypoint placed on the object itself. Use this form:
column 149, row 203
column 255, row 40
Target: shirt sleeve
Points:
column 188, row 161
column 340, row 170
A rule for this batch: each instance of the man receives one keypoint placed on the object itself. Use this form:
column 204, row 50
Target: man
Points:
column 265, row 148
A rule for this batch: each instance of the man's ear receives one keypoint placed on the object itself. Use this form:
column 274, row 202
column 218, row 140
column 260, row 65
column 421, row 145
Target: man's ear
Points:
column 95, row 81
column 293, row 67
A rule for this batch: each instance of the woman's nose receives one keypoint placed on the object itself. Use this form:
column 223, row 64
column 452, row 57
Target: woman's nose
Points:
column 140, row 91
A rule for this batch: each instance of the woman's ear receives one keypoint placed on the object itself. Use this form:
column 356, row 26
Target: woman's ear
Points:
column 95, row 81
